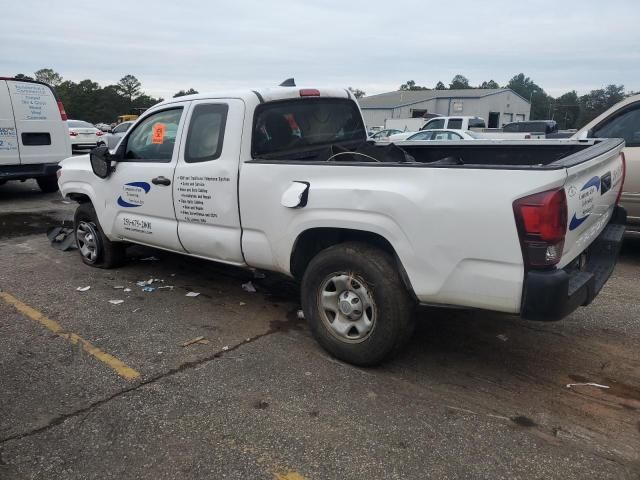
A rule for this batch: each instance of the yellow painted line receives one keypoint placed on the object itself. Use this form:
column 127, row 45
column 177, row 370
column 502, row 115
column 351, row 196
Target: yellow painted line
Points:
column 290, row 475
column 112, row 362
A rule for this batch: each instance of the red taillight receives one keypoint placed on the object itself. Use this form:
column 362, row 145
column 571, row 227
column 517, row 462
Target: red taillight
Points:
column 99, row 133
column 63, row 114
column 309, row 92
column 624, row 174
column 542, row 225
column 72, row 133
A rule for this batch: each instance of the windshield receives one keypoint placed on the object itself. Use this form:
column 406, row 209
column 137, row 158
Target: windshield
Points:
column 79, row 124
column 298, row 124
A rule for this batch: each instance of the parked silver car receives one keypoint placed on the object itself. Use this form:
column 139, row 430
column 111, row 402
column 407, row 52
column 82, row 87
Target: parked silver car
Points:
column 112, row 138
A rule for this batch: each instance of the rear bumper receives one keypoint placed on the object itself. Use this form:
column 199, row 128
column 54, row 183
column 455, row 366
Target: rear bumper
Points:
column 552, row 295
column 25, row 172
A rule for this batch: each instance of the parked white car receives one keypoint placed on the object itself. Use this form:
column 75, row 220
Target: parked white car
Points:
column 112, row 138
column 623, row 121
column 33, row 132
column 84, row 136
column 283, row 179
column 441, row 135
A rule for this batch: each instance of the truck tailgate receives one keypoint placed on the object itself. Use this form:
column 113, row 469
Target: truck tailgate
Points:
column 592, row 188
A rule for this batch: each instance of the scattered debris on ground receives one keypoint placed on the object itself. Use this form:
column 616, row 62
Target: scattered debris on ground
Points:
column 192, row 294
column 587, row 384
column 248, row 287
column 198, row 340
column 83, row 289
column 116, row 302
column 62, row 237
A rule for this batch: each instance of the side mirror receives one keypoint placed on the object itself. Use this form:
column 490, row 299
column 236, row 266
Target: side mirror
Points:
column 100, row 161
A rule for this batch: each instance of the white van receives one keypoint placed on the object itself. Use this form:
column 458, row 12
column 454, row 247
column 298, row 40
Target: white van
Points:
column 34, row 136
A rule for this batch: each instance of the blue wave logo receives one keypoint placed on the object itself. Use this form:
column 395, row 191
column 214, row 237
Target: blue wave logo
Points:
column 576, row 221
column 135, row 188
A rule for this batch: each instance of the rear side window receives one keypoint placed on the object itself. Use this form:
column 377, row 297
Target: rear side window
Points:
column 122, row 128
column 306, row 123
column 477, row 123
column 206, row 133
column 79, row 124
column 154, row 139
column 455, row 123
column 626, row 125
column 36, row 139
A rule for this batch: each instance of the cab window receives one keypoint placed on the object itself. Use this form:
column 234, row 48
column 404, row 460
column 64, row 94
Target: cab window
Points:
column 153, row 139
column 434, row 124
column 626, row 125
column 455, row 123
column 206, row 133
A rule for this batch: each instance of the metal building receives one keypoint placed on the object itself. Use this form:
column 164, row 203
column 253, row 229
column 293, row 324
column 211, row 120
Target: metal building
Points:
column 497, row 106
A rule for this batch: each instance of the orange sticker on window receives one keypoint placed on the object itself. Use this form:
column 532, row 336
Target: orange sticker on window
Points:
column 159, row 129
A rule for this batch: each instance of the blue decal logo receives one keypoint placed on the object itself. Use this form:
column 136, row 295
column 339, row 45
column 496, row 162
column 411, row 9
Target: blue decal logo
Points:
column 586, row 199
column 133, row 195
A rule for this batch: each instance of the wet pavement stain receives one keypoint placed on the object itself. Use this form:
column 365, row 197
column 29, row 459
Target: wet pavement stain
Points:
column 17, row 224
column 523, row 421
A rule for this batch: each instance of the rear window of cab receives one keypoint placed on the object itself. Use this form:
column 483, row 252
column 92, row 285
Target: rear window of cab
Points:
column 304, row 124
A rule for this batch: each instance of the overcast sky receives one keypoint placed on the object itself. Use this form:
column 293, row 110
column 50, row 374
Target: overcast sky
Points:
column 373, row 45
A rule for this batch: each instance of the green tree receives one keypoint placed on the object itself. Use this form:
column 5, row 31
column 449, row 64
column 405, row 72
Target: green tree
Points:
column 22, row 76
column 129, row 87
column 440, row 86
column 357, row 92
column 540, row 102
column 411, row 85
column 182, row 93
column 490, row 84
column 459, row 82
column 597, row 101
column 47, row 75
column 566, row 110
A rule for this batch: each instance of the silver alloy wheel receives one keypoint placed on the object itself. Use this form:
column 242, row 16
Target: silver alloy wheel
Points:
column 346, row 307
column 87, row 238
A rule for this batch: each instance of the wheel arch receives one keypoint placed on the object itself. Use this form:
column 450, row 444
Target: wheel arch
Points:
column 312, row 241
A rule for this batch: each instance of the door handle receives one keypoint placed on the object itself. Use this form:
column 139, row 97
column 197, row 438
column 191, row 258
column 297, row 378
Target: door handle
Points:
column 161, row 181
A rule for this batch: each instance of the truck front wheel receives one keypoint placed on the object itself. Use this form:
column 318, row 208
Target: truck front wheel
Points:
column 95, row 248
column 356, row 303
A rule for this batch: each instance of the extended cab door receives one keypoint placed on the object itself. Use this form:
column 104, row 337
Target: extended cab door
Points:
column 8, row 137
column 141, row 186
column 205, row 189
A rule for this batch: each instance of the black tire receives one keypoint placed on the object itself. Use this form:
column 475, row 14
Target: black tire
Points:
column 373, row 276
column 106, row 254
column 48, row 184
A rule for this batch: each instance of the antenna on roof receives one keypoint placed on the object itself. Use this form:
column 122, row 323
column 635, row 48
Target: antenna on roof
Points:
column 289, row 82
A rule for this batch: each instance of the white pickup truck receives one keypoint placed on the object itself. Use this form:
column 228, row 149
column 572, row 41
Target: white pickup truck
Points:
column 283, row 180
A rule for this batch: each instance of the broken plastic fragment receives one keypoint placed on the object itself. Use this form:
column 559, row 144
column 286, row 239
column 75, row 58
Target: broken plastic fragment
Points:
column 248, row 287
column 192, row 294
column 259, row 275
column 149, row 289
column 116, row 302
column 242, row 304
column 502, row 337
column 587, row 384
column 225, row 348
column 83, row 289
column 118, row 287
column 300, row 314
column 126, row 290
column 136, row 310
column 170, row 287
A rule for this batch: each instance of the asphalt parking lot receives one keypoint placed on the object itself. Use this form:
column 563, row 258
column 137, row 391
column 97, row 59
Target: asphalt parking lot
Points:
column 91, row 389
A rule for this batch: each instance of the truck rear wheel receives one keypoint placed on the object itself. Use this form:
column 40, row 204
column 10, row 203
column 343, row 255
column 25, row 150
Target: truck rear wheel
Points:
column 48, row 184
column 95, row 248
column 356, row 303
